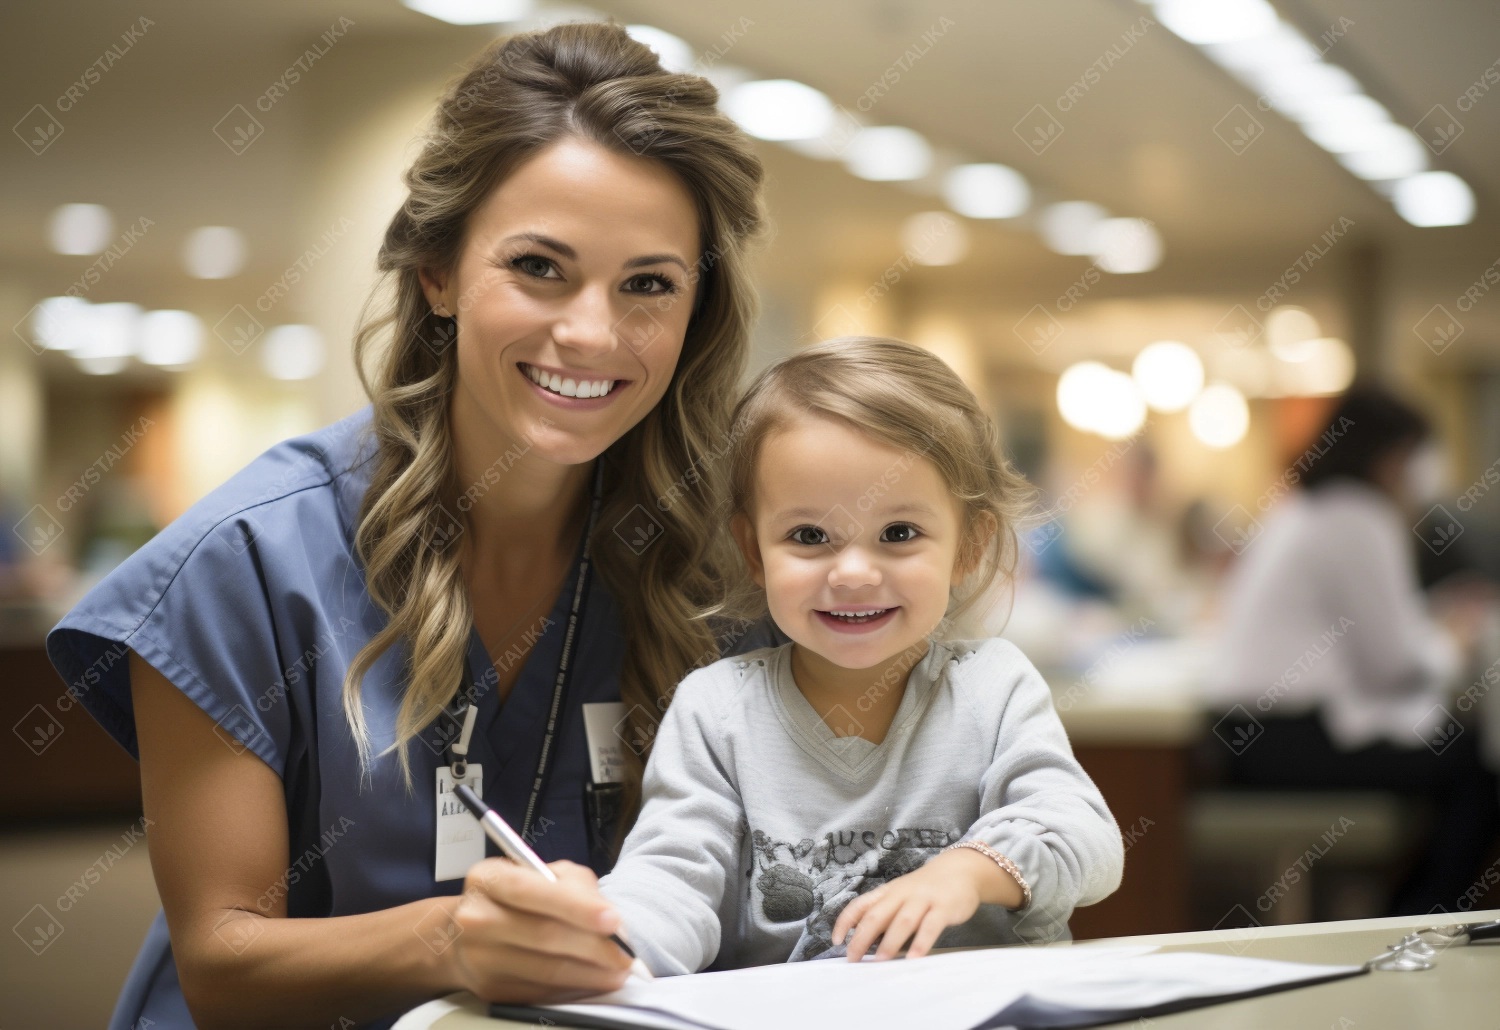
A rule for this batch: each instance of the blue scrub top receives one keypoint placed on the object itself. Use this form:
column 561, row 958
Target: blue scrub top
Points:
column 253, row 604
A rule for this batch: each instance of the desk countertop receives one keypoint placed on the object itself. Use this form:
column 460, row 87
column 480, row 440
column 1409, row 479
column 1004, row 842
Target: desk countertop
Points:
column 1463, row 991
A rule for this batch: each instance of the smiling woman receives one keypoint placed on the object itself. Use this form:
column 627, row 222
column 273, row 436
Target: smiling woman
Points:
column 364, row 616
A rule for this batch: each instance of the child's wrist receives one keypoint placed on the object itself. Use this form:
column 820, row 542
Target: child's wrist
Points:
column 998, row 880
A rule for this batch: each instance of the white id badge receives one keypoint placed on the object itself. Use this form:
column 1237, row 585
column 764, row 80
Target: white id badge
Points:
column 601, row 721
column 460, row 838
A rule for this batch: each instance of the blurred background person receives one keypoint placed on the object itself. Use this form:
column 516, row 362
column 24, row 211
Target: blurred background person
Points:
column 1336, row 671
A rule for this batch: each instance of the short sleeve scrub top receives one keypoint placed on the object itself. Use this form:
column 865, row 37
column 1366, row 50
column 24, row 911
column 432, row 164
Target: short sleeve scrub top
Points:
column 253, row 605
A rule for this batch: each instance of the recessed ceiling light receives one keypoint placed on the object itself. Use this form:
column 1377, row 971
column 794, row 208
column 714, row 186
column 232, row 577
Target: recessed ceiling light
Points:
column 214, row 252
column 1222, row 21
column 986, row 191
column 1433, row 199
column 472, row 12
column 779, row 109
column 1068, row 227
column 108, row 337
column 170, row 338
column 888, row 153
column 1124, row 246
column 674, row 54
column 292, row 352
column 80, row 228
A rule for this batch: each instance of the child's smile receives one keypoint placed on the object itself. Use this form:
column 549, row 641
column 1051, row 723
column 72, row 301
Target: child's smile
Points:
column 856, row 620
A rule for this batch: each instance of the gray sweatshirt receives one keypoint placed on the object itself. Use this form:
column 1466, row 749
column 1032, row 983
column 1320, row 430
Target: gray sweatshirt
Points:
column 759, row 823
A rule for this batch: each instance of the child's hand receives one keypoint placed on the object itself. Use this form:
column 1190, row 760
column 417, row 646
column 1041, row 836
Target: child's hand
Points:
column 925, row 902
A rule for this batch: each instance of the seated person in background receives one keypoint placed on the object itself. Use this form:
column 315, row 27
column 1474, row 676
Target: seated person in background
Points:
column 866, row 776
column 1328, row 644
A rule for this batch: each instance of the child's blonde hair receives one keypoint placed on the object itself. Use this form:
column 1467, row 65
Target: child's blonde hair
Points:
column 908, row 398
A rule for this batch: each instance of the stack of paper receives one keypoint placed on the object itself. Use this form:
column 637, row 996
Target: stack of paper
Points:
column 1021, row 987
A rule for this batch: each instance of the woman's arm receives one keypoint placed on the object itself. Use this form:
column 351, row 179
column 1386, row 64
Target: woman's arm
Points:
column 218, row 840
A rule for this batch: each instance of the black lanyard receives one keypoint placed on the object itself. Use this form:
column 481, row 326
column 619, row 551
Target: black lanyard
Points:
column 564, row 669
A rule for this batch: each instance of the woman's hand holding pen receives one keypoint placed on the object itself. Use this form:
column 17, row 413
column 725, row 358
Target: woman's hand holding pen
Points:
column 522, row 939
column 922, row 904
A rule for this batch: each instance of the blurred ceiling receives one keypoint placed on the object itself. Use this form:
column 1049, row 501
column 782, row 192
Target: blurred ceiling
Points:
column 1140, row 140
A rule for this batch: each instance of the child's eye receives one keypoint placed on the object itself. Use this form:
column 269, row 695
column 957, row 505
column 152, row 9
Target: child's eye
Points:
column 899, row 533
column 810, row 535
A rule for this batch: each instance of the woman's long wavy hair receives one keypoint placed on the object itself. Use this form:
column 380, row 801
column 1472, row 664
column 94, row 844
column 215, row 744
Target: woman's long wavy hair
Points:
column 523, row 94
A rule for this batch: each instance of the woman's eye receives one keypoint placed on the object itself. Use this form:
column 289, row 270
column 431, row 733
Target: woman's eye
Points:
column 900, row 533
column 650, row 282
column 809, row 535
column 535, row 266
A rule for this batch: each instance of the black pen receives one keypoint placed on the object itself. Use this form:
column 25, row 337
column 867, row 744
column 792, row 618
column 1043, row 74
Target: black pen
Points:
column 516, row 849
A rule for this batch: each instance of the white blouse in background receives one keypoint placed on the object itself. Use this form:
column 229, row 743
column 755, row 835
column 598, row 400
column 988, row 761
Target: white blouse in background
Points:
column 1324, row 610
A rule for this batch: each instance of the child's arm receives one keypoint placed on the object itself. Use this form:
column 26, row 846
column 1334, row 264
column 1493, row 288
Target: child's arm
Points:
column 1038, row 808
column 670, row 878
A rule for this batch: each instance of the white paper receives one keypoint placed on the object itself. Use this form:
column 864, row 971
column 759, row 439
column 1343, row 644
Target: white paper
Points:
column 955, row 991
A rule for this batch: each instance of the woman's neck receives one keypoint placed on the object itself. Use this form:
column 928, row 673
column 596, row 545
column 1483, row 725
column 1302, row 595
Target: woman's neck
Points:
column 869, row 697
column 521, row 507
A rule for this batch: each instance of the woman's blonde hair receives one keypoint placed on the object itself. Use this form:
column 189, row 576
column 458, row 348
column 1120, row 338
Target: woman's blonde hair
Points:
column 522, row 95
column 907, row 398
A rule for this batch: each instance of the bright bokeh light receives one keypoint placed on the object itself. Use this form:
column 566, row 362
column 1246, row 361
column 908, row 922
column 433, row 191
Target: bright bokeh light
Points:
column 1327, row 367
column 292, row 352
column 935, row 238
column 1217, row 21
column 56, row 322
column 1289, row 331
column 214, row 252
column 1169, row 375
column 472, row 12
column 1094, row 398
column 1219, row 416
column 986, row 191
column 1068, row 227
column 107, row 337
column 80, row 228
column 674, row 53
column 1307, row 92
column 170, row 338
column 1277, row 48
column 1395, row 153
column 1344, row 124
column 888, row 153
column 1123, row 246
column 779, row 109
column 1434, row 198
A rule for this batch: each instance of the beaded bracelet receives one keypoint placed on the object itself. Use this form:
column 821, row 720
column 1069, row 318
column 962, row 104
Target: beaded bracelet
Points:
column 1003, row 862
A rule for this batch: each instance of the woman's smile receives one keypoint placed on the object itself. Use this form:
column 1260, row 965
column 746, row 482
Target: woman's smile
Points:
column 573, row 389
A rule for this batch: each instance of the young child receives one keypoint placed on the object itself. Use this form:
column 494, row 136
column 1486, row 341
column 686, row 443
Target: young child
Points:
column 867, row 776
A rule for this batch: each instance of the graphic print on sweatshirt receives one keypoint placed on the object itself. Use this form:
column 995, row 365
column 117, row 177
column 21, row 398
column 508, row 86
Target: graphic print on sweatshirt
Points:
column 812, row 881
